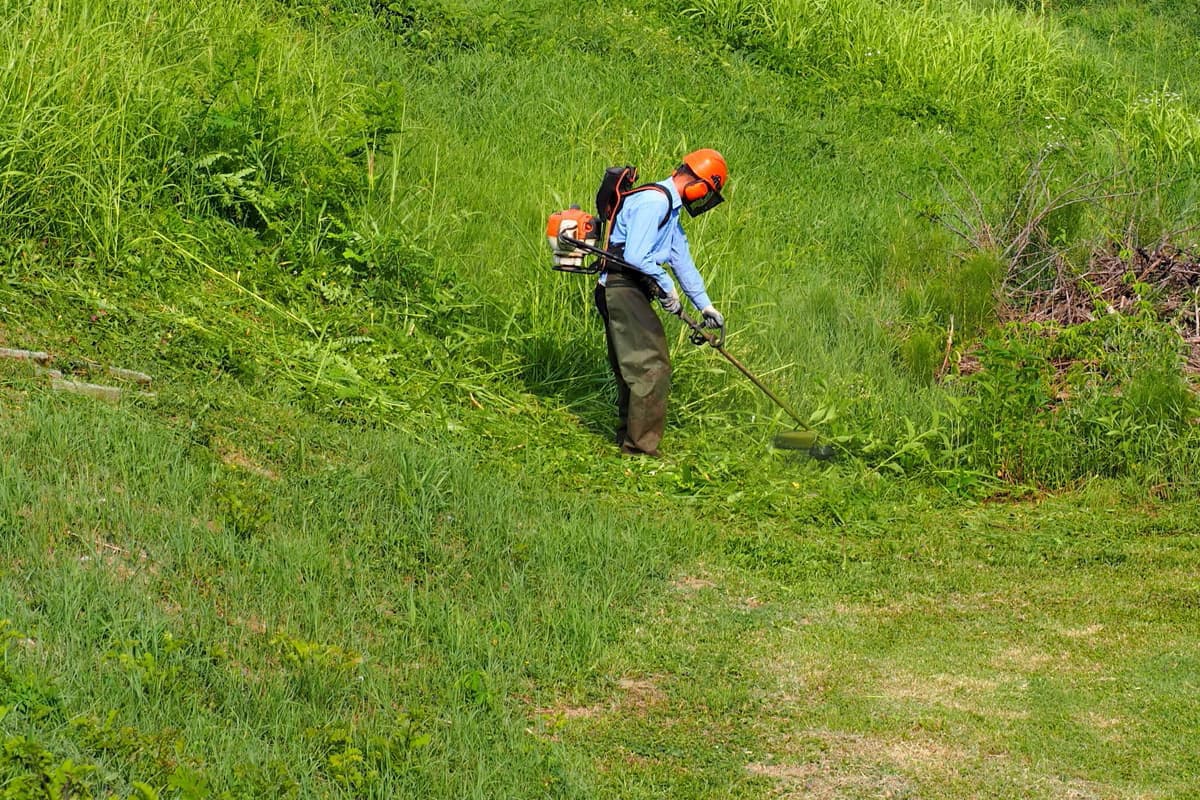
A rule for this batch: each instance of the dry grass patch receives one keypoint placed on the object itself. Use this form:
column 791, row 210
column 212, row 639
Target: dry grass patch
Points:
column 126, row 564
column 1028, row 659
column 634, row 696
column 833, row 765
column 689, row 583
column 972, row 695
column 232, row 457
column 1025, row 659
column 1116, row 731
column 1079, row 789
column 821, row 764
column 1086, row 632
column 943, row 759
column 640, row 693
column 799, row 683
column 822, row 782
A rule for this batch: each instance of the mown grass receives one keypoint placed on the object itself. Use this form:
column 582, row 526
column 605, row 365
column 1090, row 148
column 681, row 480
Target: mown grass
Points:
column 323, row 612
column 352, row 615
column 369, row 539
column 1012, row 653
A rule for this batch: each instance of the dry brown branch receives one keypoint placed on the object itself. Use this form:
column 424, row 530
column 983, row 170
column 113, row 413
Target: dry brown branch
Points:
column 949, row 347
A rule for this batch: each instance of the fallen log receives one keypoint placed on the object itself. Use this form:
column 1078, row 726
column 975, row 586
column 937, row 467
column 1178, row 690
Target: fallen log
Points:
column 109, row 394
column 24, row 355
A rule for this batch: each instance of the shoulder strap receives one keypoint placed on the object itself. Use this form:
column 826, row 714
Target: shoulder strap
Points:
column 612, row 193
column 645, row 187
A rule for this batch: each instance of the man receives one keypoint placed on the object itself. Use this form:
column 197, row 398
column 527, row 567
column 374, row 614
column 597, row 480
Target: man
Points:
column 647, row 234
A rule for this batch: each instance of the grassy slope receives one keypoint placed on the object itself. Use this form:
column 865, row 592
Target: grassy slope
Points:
column 369, row 598
column 482, row 602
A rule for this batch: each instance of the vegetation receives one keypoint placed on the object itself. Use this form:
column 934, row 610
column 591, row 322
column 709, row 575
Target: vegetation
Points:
column 364, row 535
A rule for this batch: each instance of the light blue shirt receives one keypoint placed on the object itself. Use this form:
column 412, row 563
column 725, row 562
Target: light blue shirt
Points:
column 648, row 247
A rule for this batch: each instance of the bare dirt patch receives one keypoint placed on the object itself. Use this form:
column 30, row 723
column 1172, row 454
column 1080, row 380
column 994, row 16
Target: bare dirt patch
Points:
column 640, row 693
column 689, row 583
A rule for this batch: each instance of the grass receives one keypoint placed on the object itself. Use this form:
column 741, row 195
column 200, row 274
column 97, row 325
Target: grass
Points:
column 270, row 608
column 884, row 656
column 369, row 538
column 363, row 593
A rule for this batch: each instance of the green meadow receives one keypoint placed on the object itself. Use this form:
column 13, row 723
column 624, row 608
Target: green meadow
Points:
column 355, row 527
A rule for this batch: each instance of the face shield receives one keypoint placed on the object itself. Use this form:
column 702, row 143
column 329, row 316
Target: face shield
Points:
column 709, row 200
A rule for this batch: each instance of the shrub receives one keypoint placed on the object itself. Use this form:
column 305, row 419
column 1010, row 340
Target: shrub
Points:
column 1106, row 398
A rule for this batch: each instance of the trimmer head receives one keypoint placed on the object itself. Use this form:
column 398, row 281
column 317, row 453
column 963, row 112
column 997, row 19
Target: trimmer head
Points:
column 821, row 452
column 804, row 440
column 795, row 440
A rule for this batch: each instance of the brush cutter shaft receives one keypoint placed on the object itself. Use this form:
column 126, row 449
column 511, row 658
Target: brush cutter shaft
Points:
column 718, row 343
column 590, row 247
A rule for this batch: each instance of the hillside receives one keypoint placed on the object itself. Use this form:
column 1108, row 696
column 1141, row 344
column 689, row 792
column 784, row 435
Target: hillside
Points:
column 363, row 532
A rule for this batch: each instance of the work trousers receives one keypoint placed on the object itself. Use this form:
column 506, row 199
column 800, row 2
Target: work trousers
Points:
column 641, row 364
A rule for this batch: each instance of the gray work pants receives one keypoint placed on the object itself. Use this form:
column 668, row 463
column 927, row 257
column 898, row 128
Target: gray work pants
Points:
column 641, row 364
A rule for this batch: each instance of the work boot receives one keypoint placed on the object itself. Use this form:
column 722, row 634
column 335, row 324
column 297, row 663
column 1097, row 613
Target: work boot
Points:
column 629, row 450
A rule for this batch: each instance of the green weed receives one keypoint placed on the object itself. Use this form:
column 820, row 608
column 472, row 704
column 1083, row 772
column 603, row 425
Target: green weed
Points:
column 1103, row 398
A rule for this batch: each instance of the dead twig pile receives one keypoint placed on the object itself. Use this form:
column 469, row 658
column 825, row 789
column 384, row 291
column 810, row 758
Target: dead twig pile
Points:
column 1118, row 281
column 1042, row 286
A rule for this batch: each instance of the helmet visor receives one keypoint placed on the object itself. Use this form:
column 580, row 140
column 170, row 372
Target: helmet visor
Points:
column 711, row 199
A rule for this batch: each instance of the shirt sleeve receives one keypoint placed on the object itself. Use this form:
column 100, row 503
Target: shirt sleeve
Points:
column 642, row 215
column 685, row 269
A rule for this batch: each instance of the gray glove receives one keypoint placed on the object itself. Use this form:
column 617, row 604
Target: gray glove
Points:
column 712, row 317
column 670, row 302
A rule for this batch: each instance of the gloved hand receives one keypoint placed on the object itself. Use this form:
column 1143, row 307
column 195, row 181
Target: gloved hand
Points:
column 712, row 317
column 670, row 302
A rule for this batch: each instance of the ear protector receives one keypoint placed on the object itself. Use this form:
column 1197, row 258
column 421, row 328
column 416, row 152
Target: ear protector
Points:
column 706, row 171
column 695, row 190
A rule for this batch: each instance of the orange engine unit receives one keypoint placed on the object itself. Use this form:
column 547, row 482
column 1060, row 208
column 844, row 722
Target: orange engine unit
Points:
column 572, row 223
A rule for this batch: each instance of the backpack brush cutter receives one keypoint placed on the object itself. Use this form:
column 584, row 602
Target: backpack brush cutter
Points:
column 573, row 235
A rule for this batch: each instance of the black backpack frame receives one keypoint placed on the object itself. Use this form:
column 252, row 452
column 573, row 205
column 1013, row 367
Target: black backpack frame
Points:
column 617, row 184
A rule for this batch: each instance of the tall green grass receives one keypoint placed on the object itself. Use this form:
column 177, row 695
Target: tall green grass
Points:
column 170, row 154
column 117, row 113
column 364, row 186
column 945, row 57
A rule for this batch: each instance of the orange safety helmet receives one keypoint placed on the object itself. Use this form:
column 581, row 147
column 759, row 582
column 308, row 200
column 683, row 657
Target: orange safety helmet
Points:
column 711, row 173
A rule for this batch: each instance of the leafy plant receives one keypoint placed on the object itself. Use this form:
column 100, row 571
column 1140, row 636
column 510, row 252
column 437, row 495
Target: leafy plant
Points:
column 243, row 501
column 318, row 671
column 1106, row 397
column 29, row 771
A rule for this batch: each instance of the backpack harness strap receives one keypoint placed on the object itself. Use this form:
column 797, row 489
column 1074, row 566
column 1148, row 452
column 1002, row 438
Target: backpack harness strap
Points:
column 619, row 250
